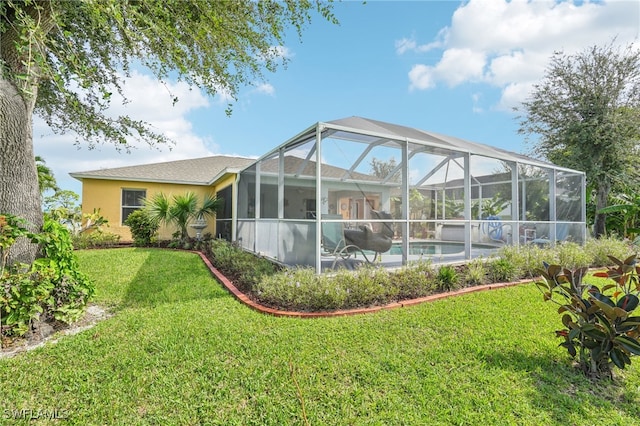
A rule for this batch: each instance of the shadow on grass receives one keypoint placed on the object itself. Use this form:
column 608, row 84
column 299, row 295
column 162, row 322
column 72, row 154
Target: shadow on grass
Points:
column 562, row 389
column 169, row 276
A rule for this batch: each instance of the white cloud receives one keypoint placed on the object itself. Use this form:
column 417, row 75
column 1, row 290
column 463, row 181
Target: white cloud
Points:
column 150, row 101
column 282, row 52
column 422, row 77
column 513, row 94
column 405, row 45
column 507, row 44
column 460, row 65
column 266, row 89
column 456, row 66
column 476, row 98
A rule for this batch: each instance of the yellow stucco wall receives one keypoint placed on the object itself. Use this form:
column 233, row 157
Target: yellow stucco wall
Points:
column 106, row 195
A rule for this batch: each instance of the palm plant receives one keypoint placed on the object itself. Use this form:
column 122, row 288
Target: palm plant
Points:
column 46, row 180
column 181, row 210
column 626, row 214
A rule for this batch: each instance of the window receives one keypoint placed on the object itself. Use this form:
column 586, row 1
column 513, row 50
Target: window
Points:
column 224, row 216
column 132, row 200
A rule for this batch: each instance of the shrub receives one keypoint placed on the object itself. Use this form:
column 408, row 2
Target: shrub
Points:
column 600, row 249
column 527, row 259
column 366, row 286
column 95, row 239
column 414, row 280
column 475, row 272
column 572, row 255
column 143, row 228
column 245, row 268
column 517, row 257
column 324, row 293
column 447, row 278
column 22, row 294
column 25, row 294
column 301, row 289
column 182, row 209
column 52, row 287
column 533, row 257
column 598, row 321
column 11, row 228
column 72, row 289
column 501, row 270
column 287, row 290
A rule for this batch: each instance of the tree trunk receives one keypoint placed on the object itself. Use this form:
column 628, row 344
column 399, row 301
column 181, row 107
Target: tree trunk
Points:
column 600, row 221
column 19, row 192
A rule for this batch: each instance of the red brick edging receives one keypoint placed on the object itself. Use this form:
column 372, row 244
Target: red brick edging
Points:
column 276, row 312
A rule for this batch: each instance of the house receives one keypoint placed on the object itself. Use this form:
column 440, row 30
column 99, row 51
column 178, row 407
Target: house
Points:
column 119, row 191
column 444, row 198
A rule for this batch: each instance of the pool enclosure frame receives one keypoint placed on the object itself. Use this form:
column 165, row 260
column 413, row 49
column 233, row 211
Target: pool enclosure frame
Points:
column 441, row 192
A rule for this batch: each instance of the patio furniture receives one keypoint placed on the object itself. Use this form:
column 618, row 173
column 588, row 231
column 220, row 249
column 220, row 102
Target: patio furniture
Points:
column 342, row 243
column 562, row 231
column 493, row 227
column 367, row 239
column 334, row 242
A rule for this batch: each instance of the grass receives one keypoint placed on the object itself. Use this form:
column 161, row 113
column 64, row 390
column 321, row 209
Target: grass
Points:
column 180, row 350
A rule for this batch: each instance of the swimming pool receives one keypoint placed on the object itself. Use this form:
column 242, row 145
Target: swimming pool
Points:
column 435, row 247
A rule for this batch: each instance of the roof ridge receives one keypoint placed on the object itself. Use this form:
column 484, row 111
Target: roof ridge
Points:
column 199, row 171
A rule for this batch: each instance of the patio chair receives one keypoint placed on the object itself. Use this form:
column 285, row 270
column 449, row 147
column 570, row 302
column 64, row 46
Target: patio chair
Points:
column 493, row 227
column 334, row 241
column 562, row 231
column 368, row 239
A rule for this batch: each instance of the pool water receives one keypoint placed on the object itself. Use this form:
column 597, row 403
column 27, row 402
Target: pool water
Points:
column 433, row 247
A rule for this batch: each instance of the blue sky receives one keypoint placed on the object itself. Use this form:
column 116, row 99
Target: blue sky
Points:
column 450, row 67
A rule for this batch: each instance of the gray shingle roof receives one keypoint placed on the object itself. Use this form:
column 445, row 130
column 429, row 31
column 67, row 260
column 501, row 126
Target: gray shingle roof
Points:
column 196, row 171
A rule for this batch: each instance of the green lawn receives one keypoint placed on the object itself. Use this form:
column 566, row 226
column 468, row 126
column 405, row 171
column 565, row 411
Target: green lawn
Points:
column 182, row 351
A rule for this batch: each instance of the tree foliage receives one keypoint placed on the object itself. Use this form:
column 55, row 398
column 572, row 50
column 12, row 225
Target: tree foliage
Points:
column 623, row 214
column 586, row 112
column 64, row 207
column 382, row 169
column 78, row 52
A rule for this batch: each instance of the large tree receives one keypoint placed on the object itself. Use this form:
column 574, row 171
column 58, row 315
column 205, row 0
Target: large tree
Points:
column 63, row 60
column 586, row 112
